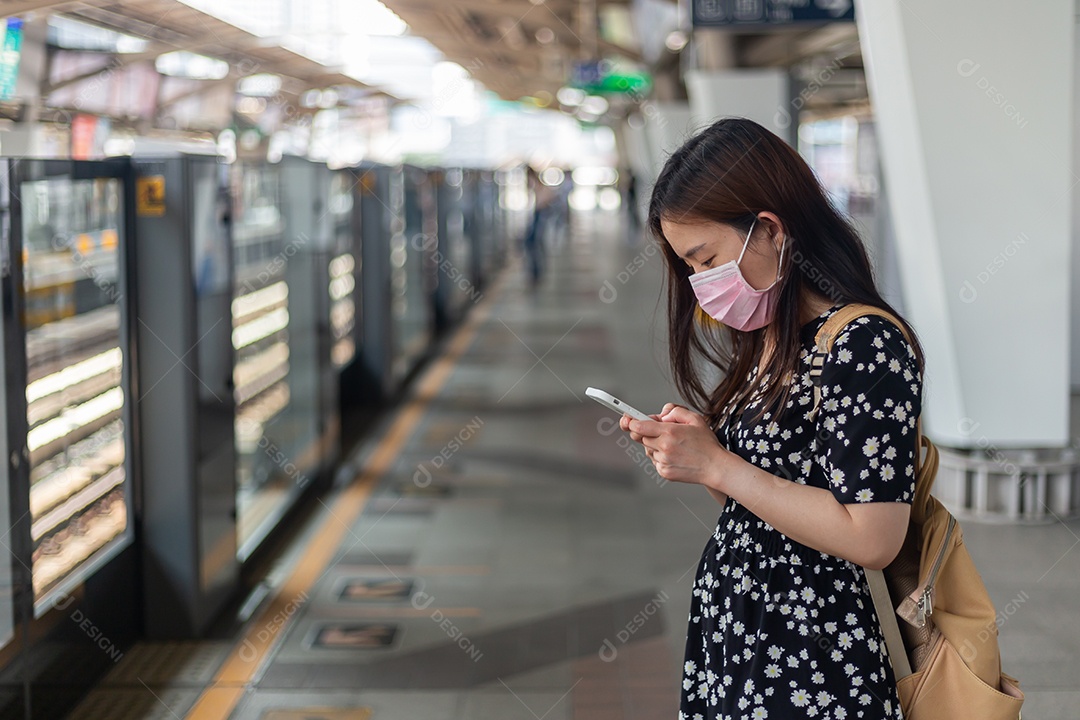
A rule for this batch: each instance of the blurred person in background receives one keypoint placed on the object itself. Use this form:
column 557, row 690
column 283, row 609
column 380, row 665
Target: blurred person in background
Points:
column 560, row 215
column 544, row 206
column 628, row 183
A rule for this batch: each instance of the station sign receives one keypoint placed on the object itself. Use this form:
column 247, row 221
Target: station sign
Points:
column 602, row 77
column 732, row 13
column 10, row 51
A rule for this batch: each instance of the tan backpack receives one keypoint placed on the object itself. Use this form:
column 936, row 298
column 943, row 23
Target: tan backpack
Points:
column 945, row 652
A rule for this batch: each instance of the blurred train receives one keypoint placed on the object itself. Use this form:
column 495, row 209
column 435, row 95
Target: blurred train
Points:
column 194, row 337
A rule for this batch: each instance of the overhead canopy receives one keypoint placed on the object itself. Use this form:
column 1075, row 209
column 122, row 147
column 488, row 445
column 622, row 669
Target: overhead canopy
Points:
column 170, row 25
column 514, row 47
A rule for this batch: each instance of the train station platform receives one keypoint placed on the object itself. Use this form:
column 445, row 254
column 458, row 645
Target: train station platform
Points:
column 502, row 550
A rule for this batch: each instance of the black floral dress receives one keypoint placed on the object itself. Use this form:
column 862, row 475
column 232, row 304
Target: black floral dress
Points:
column 779, row 630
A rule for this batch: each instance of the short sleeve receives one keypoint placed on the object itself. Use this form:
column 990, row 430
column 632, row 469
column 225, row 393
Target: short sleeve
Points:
column 871, row 391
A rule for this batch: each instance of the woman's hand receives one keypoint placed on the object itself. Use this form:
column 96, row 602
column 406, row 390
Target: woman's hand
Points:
column 680, row 443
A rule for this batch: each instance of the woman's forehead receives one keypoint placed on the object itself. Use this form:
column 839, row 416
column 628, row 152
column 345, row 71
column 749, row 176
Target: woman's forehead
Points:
column 682, row 234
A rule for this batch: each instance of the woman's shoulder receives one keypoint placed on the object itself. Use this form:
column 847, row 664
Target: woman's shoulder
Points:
column 874, row 328
column 871, row 340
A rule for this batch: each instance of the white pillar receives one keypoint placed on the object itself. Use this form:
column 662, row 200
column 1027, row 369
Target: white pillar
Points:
column 973, row 102
column 668, row 125
column 1075, row 313
column 760, row 94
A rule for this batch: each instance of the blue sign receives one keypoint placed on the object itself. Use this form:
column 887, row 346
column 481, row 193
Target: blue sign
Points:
column 10, row 47
column 589, row 72
column 729, row 13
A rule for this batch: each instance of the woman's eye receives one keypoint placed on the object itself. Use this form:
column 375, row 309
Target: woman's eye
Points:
column 708, row 262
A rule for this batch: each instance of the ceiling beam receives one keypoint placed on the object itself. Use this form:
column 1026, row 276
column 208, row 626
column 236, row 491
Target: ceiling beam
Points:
column 204, row 86
column 784, row 48
column 116, row 62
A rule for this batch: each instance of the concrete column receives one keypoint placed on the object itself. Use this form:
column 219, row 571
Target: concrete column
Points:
column 667, row 127
column 714, row 49
column 760, row 94
column 973, row 103
column 1075, row 312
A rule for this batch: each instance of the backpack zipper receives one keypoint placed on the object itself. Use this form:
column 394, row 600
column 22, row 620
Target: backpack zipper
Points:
column 926, row 601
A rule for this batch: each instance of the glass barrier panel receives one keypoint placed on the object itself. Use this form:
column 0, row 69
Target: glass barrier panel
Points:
column 75, row 402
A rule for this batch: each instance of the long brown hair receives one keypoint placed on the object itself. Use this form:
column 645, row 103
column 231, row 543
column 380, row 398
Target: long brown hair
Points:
column 728, row 173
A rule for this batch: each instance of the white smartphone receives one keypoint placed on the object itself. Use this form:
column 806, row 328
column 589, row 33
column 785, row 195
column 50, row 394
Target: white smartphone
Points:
column 611, row 402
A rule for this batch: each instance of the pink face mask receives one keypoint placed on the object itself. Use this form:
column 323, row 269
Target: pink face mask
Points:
column 725, row 295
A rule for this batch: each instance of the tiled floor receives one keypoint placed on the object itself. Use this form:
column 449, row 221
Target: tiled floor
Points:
column 548, row 571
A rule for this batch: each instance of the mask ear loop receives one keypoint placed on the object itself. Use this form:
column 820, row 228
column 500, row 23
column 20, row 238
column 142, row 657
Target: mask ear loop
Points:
column 780, row 262
column 780, row 266
column 747, row 241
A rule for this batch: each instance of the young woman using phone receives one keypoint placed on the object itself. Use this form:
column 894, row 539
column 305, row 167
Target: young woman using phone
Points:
column 781, row 623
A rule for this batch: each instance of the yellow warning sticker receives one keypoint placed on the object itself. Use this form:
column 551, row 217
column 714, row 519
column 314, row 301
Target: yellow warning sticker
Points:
column 367, row 183
column 150, row 196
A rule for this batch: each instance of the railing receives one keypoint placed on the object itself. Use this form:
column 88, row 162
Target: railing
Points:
column 1023, row 486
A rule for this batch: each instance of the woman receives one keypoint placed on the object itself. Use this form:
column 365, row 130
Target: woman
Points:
column 781, row 622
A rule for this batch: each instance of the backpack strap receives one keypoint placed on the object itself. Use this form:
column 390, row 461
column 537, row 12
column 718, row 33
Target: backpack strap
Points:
column 875, row 579
column 826, row 336
column 890, row 629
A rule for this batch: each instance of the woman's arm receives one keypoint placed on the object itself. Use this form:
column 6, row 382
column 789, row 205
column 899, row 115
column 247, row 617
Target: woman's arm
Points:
column 871, row 386
column 720, row 497
column 868, row 534
column 684, row 449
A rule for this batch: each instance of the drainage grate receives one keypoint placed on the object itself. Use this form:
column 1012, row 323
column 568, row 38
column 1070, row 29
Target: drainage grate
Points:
column 355, row 636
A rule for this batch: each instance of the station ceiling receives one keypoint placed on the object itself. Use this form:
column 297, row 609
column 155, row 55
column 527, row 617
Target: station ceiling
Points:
column 171, row 25
column 514, row 47
column 523, row 47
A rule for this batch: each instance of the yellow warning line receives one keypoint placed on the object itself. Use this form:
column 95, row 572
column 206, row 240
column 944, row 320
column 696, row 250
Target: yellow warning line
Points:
column 248, row 655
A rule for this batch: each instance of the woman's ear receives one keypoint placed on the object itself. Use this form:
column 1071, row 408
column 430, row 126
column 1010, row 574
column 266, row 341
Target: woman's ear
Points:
column 775, row 226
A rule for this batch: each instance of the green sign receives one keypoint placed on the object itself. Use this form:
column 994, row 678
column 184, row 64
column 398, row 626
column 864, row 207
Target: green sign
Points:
column 603, row 76
column 9, row 58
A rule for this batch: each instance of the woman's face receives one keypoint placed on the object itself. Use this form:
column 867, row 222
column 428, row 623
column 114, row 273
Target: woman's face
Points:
column 704, row 245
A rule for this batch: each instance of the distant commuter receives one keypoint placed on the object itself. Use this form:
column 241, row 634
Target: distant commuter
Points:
column 544, row 205
column 630, row 198
column 781, row 621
